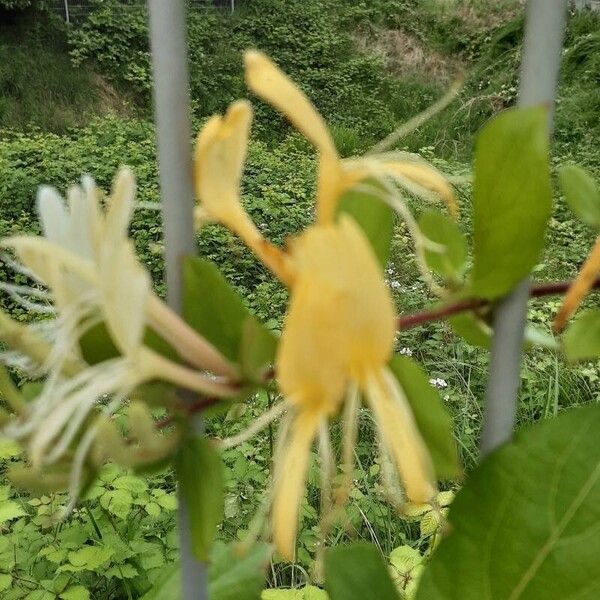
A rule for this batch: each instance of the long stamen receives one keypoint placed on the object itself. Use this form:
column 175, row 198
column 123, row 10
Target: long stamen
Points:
column 257, row 426
column 393, row 199
column 18, row 268
column 24, row 290
column 189, row 344
column 349, row 435
column 418, row 120
column 155, row 365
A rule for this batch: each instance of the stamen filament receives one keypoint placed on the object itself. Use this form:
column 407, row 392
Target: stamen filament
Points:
column 257, row 425
column 188, row 343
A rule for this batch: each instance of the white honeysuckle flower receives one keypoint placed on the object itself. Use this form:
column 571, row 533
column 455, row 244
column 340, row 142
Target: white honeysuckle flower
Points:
column 89, row 266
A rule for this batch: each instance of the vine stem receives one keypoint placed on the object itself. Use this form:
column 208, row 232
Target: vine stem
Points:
column 536, row 290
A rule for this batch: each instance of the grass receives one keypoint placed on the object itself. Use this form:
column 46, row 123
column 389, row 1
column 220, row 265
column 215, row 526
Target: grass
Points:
column 40, row 87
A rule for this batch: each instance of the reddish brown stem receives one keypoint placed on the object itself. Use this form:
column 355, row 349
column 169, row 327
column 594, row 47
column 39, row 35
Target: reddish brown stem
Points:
column 537, row 290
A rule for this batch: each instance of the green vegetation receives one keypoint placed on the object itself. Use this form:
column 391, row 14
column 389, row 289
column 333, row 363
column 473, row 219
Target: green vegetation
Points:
column 77, row 100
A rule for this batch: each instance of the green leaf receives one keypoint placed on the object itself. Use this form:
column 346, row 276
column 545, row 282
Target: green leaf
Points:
column 232, row 576
column 258, row 348
column 433, row 420
column 5, row 581
column 118, row 502
column 214, row 309
column 375, row 218
column 236, row 576
column 512, row 199
column 526, row 523
column 88, row 558
column 130, row 483
column 200, row 475
column 97, row 345
column 445, row 232
column 582, row 338
column 582, row 194
column 357, row 572
column 167, row 586
column 472, row 329
column 477, row 332
column 10, row 510
column 152, row 508
column 76, row 592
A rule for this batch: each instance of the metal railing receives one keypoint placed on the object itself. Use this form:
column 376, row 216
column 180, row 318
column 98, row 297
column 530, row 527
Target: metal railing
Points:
column 73, row 10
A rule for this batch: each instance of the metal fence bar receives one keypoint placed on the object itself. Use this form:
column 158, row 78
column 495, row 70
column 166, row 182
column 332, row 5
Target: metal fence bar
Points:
column 172, row 113
column 544, row 30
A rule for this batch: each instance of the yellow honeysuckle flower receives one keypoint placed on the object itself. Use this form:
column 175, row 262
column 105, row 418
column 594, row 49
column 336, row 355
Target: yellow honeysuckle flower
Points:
column 339, row 330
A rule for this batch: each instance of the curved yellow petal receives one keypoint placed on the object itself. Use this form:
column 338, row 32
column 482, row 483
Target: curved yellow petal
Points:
column 401, row 435
column 289, row 480
column 424, row 176
column 580, row 287
column 219, row 163
column 268, row 82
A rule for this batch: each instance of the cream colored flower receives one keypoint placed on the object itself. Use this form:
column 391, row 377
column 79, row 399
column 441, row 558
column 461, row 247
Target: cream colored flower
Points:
column 89, row 266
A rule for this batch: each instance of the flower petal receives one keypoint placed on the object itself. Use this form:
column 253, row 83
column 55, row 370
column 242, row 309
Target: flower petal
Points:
column 290, row 476
column 53, row 214
column 399, row 431
column 268, row 82
column 120, row 208
column 424, row 176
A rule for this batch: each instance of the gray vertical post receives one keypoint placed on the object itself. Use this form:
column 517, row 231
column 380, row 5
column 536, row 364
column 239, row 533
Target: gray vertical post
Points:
column 67, row 17
column 544, row 29
column 172, row 113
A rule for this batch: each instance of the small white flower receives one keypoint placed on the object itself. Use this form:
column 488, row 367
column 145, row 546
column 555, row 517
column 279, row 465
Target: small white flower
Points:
column 406, row 351
column 438, row 383
column 395, row 285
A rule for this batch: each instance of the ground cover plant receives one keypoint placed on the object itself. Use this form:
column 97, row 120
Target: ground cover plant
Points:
column 126, row 550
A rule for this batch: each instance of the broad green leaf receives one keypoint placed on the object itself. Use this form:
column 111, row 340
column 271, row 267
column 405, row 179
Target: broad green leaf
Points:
column 582, row 194
column 477, row 332
column 130, row 483
column 117, row 502
column 97, row 345
column 10, row 510
column 214, row 309
column 582, row 338
column 152, row 508
column 88, row 558
column 525, row 525
column 406, row 567
column 357, row 572
column 258, row 347
column 200, row 474
column 5, row 581
column 445, row 232
column 375, row 218
column 433, row 420
column 512, row 199
column 76, row 592
column 472, row 329
column 237, row 576
column 310, row 592
column 167, row 586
